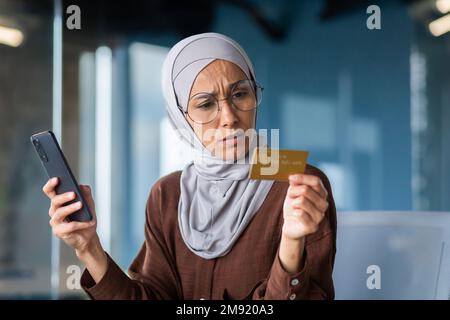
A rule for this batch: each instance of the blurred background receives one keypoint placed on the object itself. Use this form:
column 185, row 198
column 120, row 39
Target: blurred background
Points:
column 371, row 106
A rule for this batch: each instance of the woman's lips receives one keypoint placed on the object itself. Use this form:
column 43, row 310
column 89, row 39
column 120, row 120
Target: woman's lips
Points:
column 232, row 140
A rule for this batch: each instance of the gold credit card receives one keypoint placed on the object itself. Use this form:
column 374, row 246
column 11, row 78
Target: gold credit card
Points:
column 276, row 164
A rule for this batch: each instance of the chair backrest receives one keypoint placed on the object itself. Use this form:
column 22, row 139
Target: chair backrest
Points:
column 393, row 255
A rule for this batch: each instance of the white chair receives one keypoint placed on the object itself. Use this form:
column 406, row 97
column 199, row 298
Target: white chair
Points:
column 411, row 250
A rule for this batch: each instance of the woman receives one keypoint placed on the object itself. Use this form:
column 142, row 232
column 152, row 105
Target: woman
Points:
column 210, row 232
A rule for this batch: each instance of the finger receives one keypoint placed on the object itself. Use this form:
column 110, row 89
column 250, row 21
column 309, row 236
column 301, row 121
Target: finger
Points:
column 65, row 229
column 307, row 205
column 63, row 212
column 61, row 199
column 86, row 192
column 49, row 187
column 308, row 223
column 310, row 180
column 87, row 195
column 299, row 190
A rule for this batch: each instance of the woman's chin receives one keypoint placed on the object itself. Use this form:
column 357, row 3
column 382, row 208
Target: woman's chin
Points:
column 231, row 154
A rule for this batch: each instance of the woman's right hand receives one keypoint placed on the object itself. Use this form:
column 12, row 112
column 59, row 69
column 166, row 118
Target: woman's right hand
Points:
column 78, row 235
column 81, row 236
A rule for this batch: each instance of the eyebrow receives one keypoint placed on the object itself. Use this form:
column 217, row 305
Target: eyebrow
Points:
column 214, row 92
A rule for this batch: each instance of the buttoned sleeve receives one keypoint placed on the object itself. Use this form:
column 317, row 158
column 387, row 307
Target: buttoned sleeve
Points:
column 282, row 285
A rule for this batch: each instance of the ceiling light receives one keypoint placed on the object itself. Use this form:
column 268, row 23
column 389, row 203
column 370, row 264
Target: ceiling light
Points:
column 440, row 26
column 11, row 37
column 443, row 5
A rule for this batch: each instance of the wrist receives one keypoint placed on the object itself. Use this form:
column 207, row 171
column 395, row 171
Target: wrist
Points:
column 91, row 251
column 292, row 248
column 291, row 253
column 292, row 241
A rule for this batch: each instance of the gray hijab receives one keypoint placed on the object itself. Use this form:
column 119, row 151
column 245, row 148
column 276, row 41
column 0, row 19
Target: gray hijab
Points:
column 217, row 199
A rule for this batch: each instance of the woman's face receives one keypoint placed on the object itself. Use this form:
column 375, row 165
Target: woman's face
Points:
column 218, row 79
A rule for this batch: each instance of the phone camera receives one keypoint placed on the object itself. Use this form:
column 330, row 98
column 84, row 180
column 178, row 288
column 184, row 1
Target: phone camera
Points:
column 40, row 151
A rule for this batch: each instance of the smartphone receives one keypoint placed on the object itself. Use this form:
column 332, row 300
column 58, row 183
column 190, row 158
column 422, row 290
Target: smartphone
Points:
column 55, row 164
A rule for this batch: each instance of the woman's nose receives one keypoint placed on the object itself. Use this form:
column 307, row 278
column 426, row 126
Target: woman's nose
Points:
column 228, row 116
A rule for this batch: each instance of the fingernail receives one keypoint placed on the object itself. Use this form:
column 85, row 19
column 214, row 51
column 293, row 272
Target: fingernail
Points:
column 54, row 180
column 77, row 204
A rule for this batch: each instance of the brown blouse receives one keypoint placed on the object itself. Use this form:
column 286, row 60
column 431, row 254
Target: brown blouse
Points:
column 165, row 268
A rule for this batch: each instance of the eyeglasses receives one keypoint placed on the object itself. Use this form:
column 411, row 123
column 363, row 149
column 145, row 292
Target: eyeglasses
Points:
column 245, row 95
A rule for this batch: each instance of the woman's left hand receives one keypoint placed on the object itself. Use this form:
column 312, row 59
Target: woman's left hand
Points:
column 304, row 207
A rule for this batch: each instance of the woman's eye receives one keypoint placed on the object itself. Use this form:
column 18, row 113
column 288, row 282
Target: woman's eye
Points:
column 240, row 94
column 206, row 105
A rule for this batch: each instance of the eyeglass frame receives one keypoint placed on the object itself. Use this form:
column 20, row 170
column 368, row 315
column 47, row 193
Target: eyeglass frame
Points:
column 256, row 85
